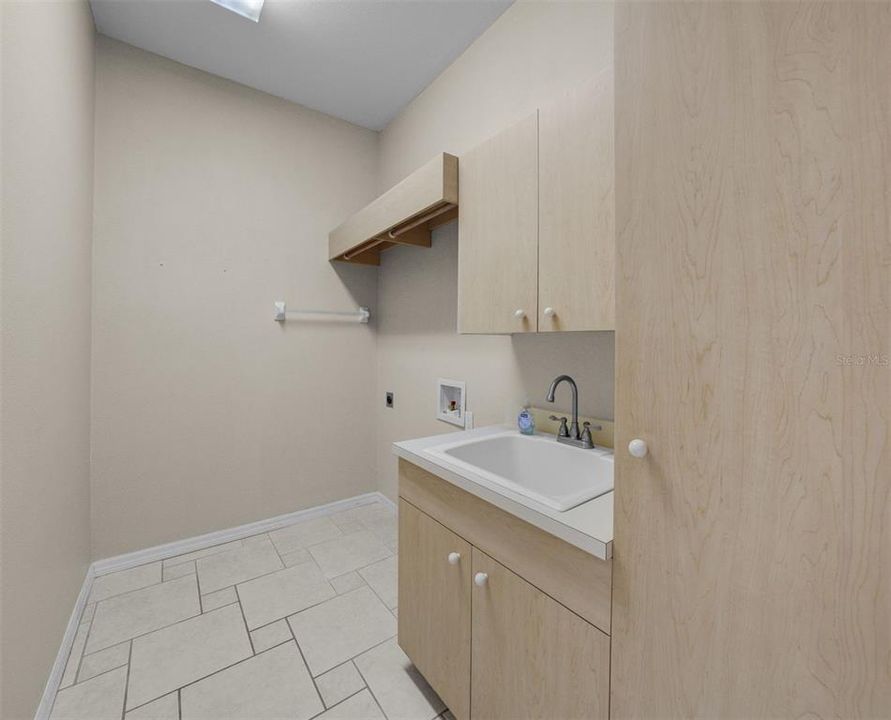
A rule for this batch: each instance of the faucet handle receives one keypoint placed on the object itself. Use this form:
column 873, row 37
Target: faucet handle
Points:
column 585, row 437
column 588, row 426
column 564, row 429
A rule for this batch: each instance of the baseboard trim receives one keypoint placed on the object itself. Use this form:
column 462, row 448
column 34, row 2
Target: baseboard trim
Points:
column 200, row 542
column 58, row 669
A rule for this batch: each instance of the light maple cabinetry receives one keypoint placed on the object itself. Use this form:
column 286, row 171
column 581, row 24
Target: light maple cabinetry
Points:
column 576, row 239
column 532, row 657
column 501, row 646
column 498, row 233
column 536, row 249
column 434, row 605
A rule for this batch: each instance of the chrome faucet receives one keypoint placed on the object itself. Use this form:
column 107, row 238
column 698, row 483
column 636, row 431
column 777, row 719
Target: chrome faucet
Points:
column 571, row 435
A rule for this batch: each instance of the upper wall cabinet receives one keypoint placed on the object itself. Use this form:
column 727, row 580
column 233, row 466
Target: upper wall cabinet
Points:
column 576, row 240
column 536, row 248
column 404, row 215
column 498, row 233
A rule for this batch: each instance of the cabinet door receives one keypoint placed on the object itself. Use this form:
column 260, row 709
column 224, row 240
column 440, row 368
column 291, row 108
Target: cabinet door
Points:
column 577, row 210
column 532, row 658
column 752, row 567
column 498, row 233
column 434, row 605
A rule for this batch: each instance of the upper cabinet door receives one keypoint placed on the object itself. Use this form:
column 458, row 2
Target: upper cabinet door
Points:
column 577, row 210
column 498, row 233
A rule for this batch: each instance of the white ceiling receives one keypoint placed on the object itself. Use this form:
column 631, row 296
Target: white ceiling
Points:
column 360, row 60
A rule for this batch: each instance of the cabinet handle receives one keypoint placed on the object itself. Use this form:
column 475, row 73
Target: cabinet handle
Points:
column 480, row 579
column 550, row 312
column 454, row 558
column 637, row 448
column 519, row 313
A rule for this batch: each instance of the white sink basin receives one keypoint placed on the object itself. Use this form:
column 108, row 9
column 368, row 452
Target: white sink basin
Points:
column 537, row 466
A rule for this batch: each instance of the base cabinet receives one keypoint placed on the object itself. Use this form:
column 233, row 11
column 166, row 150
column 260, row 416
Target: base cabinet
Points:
column 494, row 645
column 532, row 658
column 434, row 605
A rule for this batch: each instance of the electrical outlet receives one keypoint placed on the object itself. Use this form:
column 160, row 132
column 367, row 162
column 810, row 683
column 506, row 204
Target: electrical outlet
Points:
column 389, row 400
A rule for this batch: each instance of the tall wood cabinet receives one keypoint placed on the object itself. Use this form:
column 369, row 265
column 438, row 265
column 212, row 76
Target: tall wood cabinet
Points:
column 536, row 248
column 752, row 561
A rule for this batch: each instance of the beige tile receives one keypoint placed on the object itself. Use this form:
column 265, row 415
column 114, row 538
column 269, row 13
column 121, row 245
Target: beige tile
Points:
column 360, row 706
column 385, row 527
column 447, row 715
column 400, row 689
column 304, row 533
column 104, row 660
column 175, row 656
column 297, row 557
column 101, row 698
column 333, row 632
column 255, row 539
column 273, row 684
column 347, row 522
column 339, row 683
column 176, row 571
column 116, row 583
column 235, row 566
column 283, row 593
column 349, row 552
column 382, row 578
column 344, row 583
column 77, row 650
column 271, row 635
column 218, row 599
column 135, row 613
column 164, row 708
column 206, row 552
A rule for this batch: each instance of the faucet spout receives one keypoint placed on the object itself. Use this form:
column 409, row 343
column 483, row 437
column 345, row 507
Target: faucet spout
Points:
column 574, row 426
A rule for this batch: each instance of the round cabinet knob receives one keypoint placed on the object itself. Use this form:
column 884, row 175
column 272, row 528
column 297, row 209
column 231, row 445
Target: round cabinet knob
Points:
column 637, row 448
column 454, row 558
column 519, row 313
column 550, row 312
column 480, row 579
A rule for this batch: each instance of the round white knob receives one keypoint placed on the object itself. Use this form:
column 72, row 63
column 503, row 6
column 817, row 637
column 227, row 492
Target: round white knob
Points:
column 637, row 448
column 480, row 579
column 550, row 312
column 519, row 313
column 454, row 558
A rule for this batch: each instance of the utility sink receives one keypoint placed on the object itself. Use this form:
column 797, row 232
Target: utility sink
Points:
column 535, row 466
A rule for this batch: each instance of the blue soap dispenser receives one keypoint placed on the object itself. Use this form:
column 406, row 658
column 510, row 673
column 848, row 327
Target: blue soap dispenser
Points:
column 525, row 422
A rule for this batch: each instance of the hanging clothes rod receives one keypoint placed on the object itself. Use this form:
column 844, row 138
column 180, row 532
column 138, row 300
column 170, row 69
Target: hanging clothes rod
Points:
column 282, row 313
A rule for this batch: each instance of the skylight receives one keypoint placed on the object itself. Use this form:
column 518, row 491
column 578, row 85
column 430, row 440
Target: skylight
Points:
column 249, row 9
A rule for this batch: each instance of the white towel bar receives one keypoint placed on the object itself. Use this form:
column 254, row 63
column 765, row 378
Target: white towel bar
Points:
column 282, row 313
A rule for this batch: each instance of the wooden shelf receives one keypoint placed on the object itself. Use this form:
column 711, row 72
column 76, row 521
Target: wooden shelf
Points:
column 404, row 215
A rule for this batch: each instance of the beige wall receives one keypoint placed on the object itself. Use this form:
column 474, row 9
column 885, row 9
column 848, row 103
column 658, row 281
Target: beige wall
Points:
column 46, row 144
column 529, row 55
column 213, row 201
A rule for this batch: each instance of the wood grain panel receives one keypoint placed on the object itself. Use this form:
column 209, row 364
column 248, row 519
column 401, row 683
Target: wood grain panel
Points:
column 532, row 658
column 498, row 232
column 576, row 241
column 752, row 553
column 435, row 606
column 432, row 186
column 570, row 575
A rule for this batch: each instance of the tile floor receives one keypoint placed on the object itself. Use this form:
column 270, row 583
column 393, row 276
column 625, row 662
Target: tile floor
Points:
column 297, row 623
